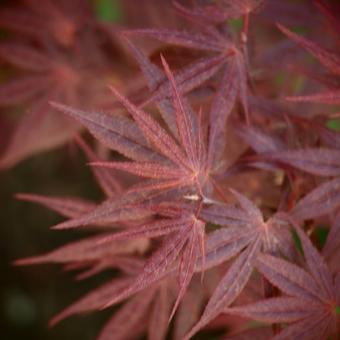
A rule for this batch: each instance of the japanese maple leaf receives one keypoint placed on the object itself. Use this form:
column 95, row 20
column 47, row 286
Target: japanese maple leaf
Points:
column 188, row 163
column 180, row 166
column 258, row 333
column 155, row 13
column 220, row 55
column 46, row 71
column 44, row 80
column 317, row 161
column 183, row 234
column 310, row 301
column 189, row 310
column 88, row 256
column 186, row 80
column 330, row 12
column 183, row 244
column 260, row 142
column 186, row 241
column 170, row 163
column 130, row 320
column 180, row 251
column 183, row 250
column 72, row 207
column 146, row 312
column 331, row 248
column 329, row 59
column 47, row 77
column 58, row 20
column 87, row 252
column 247, row 235
column 323, row 162
column 220, row 11
column 183, row 240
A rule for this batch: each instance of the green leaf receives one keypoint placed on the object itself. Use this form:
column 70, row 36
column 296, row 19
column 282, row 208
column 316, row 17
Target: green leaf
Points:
column 280, row 78
column 299, row 84
column 299, row 30
column 108, row 10
column 333, row 124
column 322, row 234
column 210, row 227
column 337, row 310
column 236, row 24
column 297, row 241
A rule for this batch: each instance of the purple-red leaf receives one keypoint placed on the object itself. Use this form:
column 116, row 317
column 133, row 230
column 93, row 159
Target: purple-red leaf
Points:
column 225, row 243
column 106, row 178
column 54, row 130
column 314, row 328
column 143, row 169
column 159, row 319
column 156, row 267
column 116, row 132
column 192, row 40
column 89, row 249
column 187, row 267
column 21, row 21
column 317, row 267
column 129, row 319
column 258, row 333
column 258, row 140
column 330, row 60
column 187, row 127
column 275, row 310
column 221, row 108
column 24, row 57
column 154, row 132
column 332, row 244
column 230, row 286
column 290, row 278
column 94, row 300
column 331, row 98
column 320, row 201
column 23, row 88
column 68, row 207
column 220, row 12
column 149, row 230
column 317, row 161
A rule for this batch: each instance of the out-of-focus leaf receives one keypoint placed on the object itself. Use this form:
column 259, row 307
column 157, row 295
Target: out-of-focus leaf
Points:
column 39, row 130
column 317, row 161
column 66, row 206
column 330, row 60
column 320, row 201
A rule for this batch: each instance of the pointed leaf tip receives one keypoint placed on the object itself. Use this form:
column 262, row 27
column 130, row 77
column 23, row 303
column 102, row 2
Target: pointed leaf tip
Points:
column 55, row 104
column 30, row 261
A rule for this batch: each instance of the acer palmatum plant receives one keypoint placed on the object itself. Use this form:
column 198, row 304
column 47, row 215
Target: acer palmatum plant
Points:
column 214, row 204
column 46, row 57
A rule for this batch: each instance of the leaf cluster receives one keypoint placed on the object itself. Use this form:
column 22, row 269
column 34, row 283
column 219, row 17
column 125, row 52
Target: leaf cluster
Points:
column 216, row 178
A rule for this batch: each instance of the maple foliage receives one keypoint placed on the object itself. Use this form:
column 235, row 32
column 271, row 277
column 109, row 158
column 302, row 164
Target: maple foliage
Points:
column 47, row 49
column 215, row 173
column 310, row 298
column 328, row 59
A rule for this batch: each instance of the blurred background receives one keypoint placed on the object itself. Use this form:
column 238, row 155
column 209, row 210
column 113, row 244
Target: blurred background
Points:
column 30, row 296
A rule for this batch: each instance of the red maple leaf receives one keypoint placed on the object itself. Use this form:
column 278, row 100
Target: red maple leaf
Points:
column 311, row 297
